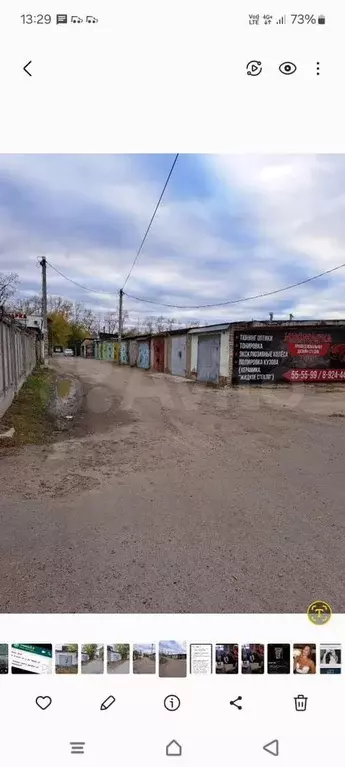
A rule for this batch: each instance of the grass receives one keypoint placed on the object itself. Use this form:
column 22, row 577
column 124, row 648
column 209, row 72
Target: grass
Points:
column 29, row 412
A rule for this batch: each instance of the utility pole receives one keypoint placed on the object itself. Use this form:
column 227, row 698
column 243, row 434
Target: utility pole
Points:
column 44, row 347
column 120, row 321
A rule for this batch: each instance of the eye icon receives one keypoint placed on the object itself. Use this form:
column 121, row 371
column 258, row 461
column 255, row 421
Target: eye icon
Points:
column 287, row 68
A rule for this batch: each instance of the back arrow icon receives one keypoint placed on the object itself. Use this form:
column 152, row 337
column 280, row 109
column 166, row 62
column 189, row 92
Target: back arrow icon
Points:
column 26, row 68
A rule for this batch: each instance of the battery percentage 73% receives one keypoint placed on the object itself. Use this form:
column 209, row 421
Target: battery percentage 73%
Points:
column 303, row 18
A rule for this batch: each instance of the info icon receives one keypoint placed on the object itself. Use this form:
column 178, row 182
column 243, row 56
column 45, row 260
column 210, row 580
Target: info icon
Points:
column 172, row 703
column 319, row 612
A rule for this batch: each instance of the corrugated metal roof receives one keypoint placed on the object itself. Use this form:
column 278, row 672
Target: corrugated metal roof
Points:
column 210, row 329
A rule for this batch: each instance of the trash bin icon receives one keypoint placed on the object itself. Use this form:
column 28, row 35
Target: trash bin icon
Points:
column 301, row 703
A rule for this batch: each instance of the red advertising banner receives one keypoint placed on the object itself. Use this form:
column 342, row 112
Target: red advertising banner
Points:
column 277, row 355
column 315, row 350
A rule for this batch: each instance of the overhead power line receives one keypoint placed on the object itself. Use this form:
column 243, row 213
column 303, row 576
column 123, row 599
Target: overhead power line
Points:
column 84, row 287
column 151, row 221
column 200, row 306
column 236, row 300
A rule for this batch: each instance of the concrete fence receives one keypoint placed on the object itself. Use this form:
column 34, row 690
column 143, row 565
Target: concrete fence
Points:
column 19, row 353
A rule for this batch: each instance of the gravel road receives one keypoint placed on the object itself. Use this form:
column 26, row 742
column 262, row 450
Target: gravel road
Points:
column 173, row 668
column 164, row 496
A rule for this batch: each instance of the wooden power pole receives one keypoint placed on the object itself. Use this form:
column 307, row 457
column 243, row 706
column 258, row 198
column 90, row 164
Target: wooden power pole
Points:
column 120, row 321
column 44, row 347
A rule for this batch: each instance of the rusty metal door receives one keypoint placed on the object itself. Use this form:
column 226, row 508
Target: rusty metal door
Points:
column 158, row 355
column 144, row 355
column 208, row 358
column 133, row 353
column 179, row 355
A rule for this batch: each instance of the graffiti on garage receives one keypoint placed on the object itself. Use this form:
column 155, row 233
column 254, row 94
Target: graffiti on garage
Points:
column 278, row 355
column 144, row 355
column 124, row 353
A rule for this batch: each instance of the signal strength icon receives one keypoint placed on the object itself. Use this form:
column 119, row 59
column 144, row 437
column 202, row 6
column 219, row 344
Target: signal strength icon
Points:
column 282, row 20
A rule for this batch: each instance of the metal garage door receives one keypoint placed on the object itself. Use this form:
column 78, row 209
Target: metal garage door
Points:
column 124, row 353
column 208, row 358
column 133, row 352
column 158, row 354
column 179, row 355
column 144, row 355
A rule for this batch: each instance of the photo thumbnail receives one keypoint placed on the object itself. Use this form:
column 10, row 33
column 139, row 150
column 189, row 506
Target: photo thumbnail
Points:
column 173, row 659
column 330, row 659
column 304, row 659
column 3, row 659
column 226, row 658
column 66, row 659
column 144, row 659
column 92, row 659
column 201, row 661
column 253, row 659
column 278, row 658
column 31, row 659
column 118, row 658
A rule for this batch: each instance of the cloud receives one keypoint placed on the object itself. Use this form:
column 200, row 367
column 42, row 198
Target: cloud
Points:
column 172, row 648
column 145, row 648
column 228, row 226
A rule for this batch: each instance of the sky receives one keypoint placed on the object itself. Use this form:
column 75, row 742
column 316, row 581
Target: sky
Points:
column 229, row 226
column 172, row 648
column 146, row 648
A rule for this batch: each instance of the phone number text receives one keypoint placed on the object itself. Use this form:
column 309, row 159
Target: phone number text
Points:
column 317, row 375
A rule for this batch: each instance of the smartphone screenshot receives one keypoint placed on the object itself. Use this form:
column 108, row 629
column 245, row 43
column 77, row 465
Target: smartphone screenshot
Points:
column 172, row 382
column 31, row 659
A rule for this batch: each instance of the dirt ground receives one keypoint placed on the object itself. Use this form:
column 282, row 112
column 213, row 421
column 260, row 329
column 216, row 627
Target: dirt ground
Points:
column 160, row 495
column 173, row 667
column 144, row 666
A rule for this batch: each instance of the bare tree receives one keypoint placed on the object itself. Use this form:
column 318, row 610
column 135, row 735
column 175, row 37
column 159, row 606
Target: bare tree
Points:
column 89, row 321
column 60, row 306
column 8, row 285
column 111, row 321
column 28, row 305
column 193, row 324
column 170, row 323
column 149, row 325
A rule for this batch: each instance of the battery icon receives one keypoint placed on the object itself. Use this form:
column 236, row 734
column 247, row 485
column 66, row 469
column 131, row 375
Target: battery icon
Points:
column 321, row 20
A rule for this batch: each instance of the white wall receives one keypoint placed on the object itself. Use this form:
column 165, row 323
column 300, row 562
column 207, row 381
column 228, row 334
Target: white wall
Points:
column 194, row 353
column 224, row 354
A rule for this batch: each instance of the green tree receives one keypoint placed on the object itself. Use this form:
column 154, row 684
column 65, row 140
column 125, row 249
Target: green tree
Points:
column 72, row 647
column 59, row 328
column 123, row 649
column 76, row 333
column 90, row 650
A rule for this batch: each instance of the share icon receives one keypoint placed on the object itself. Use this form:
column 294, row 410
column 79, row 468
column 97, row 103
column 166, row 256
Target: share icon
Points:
column 234, row 703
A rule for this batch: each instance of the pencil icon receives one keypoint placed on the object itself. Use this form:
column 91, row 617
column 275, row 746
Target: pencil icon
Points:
column 107, row 703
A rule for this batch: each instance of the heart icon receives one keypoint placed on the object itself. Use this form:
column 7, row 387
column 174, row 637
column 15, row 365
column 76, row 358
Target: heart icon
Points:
column 43, row 702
